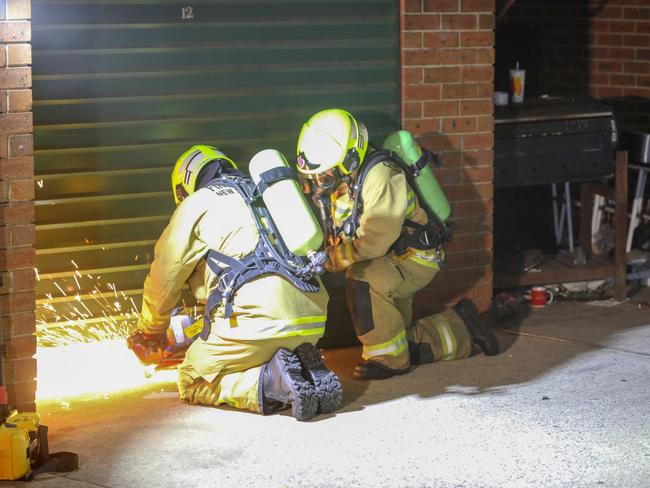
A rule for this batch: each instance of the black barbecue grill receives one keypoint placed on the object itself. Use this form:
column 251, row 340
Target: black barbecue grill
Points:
column 556, row 140
column 553, row 140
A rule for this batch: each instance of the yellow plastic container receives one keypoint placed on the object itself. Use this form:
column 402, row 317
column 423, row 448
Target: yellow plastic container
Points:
column 16, row 445
column 25, row 420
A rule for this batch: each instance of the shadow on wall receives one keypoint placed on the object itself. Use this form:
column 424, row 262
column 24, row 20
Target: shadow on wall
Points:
column 468, row 268
column 632, row 113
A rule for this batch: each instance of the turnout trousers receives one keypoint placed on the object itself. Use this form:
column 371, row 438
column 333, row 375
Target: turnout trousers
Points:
column 380, row 297
column 225, row 368
column 227, row 371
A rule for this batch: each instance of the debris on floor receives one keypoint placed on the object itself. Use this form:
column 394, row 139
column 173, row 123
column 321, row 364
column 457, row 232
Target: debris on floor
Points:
column 610, row 302
column 513, row 303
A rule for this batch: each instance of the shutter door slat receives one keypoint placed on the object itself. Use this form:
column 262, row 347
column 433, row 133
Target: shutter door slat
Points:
column 115, row 109
column 121, row 88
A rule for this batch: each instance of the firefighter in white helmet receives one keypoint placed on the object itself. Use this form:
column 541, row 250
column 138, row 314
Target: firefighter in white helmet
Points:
column 365, row 219
column 257, row 350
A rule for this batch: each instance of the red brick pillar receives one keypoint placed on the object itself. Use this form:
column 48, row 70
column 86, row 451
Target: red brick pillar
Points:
column 17, row 257
column 447, row 87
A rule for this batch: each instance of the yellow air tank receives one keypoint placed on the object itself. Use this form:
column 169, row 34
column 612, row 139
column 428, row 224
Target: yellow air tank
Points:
column 287, row 205
column 403, row 145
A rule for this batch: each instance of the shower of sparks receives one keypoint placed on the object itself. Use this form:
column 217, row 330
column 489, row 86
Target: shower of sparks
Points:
column 87, row 316
column 87, row 325
column 111, row 286
column 60, row 289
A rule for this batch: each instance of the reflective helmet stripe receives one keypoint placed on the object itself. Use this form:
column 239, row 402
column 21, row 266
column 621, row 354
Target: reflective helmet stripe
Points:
column 189, row 166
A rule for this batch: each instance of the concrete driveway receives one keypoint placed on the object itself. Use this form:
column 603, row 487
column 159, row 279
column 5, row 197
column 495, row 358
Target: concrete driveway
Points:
column 566, row 404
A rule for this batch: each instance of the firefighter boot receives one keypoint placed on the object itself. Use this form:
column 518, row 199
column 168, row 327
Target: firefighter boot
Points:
column 282, row 384
column 478, row 330
column 328, row 386
column 372, row 370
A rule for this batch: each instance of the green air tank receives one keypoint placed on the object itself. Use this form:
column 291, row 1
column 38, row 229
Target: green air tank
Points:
column 403, row 145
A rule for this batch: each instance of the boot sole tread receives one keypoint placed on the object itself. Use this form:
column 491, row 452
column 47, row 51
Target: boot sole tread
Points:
column 328, row 386
column 305, row 404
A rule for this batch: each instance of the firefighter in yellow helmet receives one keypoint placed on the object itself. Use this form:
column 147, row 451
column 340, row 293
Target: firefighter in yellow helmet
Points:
column 257, row 350
column 366, row 218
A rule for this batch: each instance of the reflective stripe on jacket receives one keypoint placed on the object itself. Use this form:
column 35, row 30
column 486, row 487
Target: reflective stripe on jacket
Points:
column 254, row 329
column 223, row 222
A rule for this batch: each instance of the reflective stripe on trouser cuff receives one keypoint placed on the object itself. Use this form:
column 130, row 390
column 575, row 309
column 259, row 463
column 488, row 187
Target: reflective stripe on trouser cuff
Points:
column 240, row 390
column 447, row 341
column 261, row 328
column 394, row 347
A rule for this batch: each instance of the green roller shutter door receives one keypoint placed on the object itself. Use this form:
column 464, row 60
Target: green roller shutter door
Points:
column 122, row 88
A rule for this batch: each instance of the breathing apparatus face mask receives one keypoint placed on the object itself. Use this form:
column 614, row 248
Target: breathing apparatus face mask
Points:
column 322, row 184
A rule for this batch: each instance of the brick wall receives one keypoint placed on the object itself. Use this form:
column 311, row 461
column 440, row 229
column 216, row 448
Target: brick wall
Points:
column 601, row 48
column 447, row 88
column 17, row 259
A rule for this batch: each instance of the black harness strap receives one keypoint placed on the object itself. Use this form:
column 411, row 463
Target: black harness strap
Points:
column 424, row 237
column 271, row 256
column 351, row 224
column 421, row 163
column 267, row 178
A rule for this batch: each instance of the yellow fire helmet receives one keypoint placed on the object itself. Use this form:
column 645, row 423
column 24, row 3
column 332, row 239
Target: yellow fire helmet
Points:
column 331, row 145
column 189, row 165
